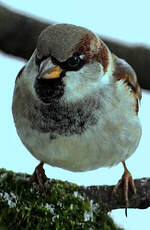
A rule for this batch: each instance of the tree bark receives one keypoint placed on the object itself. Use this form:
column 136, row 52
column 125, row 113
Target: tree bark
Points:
column 111, row 200
column 19, row 35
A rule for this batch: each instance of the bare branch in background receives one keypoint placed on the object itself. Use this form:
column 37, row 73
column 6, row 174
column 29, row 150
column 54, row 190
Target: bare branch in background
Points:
column 19, row 33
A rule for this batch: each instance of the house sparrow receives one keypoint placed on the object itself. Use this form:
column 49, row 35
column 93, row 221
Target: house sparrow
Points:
column 75, row 104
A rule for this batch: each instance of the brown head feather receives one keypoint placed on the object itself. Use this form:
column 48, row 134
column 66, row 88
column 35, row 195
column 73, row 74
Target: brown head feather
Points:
column 63, row 40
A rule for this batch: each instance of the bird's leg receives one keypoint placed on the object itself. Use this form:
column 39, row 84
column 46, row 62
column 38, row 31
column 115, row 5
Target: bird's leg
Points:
column 127, row 181
column 39, row 176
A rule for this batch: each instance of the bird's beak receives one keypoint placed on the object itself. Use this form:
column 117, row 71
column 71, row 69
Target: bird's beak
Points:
column 52, row 73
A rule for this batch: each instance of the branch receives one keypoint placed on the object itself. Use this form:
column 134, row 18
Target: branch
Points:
column 19, row 35
column 62, row 206
column 17, row 192
column 104, row 194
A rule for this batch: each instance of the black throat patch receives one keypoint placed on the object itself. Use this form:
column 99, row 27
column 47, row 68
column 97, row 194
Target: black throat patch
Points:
column 49, row 89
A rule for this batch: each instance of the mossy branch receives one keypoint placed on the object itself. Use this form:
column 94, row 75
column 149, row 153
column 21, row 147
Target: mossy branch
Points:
column 63, row 206
column 19, row 35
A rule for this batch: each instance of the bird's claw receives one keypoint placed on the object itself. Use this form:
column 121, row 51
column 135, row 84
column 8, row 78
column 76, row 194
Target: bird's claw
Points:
column 127, row 182
column 39, row 176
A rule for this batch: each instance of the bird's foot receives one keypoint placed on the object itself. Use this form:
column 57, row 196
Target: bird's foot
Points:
column 39, row 176
column 127, row 182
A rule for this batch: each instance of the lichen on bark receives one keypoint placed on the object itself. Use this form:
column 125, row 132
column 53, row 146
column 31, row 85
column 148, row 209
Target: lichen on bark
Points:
column 62, row 206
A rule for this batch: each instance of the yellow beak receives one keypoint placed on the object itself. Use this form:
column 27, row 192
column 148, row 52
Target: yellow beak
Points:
column 52, row 73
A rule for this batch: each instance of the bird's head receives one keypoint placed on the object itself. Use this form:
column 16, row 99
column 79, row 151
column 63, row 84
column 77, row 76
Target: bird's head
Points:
column 69, row 62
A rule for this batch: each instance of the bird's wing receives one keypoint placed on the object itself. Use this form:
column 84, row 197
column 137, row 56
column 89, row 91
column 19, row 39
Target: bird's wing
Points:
column 123, row 71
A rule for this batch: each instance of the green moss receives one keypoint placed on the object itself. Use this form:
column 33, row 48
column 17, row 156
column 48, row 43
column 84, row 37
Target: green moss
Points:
column 61, row 207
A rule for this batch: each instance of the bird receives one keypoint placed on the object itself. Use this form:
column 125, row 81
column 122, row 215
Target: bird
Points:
column 75, row 104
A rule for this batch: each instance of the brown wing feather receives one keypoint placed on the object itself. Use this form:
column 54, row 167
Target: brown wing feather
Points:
column 123, row 71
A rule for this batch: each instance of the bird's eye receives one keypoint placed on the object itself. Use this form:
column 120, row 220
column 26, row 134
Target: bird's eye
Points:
column 73, row 61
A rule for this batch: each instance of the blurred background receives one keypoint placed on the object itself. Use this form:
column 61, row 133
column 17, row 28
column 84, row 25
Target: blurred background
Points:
column 121, row 21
